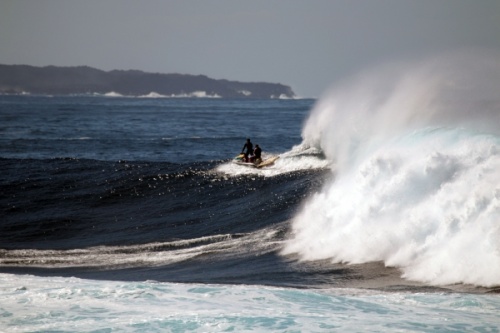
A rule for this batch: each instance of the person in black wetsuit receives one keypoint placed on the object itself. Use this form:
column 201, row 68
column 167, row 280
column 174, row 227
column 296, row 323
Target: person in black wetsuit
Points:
column 247, row 149
column 257, row 154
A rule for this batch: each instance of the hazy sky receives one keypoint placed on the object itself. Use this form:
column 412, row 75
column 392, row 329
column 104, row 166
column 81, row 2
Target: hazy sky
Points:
column 308, row 45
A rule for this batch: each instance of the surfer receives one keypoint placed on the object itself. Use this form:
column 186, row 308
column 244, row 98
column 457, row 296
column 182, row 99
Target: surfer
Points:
column 249, row 149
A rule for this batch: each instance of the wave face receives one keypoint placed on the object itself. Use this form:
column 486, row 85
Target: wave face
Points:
column 416, row 150
column 150, row 221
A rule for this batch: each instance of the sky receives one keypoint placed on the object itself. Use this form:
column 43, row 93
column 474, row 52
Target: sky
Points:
column 308, row 45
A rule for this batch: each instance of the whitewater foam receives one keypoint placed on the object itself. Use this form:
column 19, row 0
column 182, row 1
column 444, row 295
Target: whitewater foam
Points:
column 41, row 304
column 113, row 94
column 153, row 94
column 417, row 155
column 144, row 255
column 299, row 158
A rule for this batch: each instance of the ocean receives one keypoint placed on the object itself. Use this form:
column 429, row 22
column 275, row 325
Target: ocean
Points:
column 126, row 214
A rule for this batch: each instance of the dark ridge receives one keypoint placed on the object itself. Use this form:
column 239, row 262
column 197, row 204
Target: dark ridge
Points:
column 51, row 80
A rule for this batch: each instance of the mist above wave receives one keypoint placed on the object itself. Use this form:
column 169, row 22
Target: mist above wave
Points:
column 455, row 90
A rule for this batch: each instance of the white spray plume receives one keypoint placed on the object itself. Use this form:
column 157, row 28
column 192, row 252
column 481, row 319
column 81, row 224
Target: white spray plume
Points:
column 417, row 149
column 379, row 104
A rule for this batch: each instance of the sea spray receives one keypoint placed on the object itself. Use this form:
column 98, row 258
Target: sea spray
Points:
column 383, row 103
column 417, row 186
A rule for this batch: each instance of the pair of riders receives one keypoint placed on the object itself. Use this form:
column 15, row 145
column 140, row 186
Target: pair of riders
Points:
column 251, row 154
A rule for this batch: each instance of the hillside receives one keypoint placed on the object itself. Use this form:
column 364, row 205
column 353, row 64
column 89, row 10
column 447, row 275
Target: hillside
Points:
column 53, row 80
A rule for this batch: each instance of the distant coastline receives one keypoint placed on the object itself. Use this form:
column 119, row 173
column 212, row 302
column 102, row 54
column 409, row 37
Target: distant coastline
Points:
column 84, row 80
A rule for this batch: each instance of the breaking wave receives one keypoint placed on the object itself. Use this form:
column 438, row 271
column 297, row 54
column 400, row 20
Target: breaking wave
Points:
column 416, row 150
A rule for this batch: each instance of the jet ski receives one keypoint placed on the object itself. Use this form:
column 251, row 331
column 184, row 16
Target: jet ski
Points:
column 258, row 163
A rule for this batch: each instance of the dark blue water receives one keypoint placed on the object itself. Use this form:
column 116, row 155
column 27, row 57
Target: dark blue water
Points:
column 130, row 189
column 145, row 129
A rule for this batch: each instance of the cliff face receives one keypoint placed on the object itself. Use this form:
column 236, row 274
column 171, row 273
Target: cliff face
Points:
column 86, row 80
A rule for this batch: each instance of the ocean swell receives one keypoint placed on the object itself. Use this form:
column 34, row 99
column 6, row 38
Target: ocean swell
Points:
column 417, row 186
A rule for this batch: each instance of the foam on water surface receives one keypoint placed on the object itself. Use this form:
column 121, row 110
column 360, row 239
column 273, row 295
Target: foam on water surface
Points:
column 38, row 304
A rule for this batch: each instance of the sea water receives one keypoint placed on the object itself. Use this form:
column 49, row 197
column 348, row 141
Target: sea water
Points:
column 124, row 214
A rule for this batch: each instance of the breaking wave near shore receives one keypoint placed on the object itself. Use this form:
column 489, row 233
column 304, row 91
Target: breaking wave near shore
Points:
column 416, row 154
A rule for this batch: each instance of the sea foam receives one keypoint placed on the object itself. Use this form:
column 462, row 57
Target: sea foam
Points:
column 49, row 304
column 417, row 186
